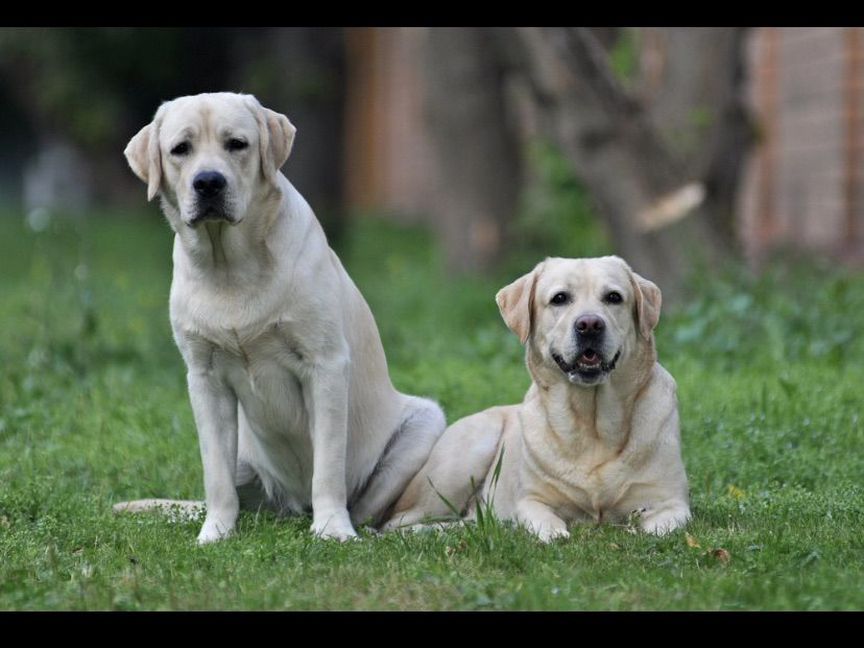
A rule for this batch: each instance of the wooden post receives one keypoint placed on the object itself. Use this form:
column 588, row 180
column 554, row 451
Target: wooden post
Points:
column 852, row 87
column 362, row 119
column 768, row 104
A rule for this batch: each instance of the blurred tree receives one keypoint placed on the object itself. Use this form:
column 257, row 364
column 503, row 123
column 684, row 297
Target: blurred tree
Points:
column 300, row 71
column 72, row 85
column 93, row 88
column 651, row 125
column 474, row 140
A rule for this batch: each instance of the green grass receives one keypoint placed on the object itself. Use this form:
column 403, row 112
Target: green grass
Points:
column 93, row 410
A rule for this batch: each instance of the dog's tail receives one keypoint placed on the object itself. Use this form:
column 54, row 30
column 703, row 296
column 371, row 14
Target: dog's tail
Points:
column 177, row 510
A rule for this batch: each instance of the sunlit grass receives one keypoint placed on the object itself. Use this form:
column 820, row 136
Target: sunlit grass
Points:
column 93, row 410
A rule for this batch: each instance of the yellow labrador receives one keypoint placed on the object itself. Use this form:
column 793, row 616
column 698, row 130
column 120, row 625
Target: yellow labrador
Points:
column 596, row 437
column 286, row 373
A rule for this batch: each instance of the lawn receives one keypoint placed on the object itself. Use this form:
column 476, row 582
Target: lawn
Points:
column 93, row 410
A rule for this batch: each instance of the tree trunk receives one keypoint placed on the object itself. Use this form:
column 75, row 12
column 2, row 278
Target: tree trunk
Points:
column 475, row 146
column 686, row 131
column 298, row 71
column 695, row 102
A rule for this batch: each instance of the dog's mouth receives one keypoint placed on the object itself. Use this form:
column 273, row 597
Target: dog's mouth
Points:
column 211, row 213
column 587, row 367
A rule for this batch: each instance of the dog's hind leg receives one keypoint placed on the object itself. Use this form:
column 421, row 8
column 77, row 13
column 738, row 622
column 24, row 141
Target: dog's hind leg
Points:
column 404, row 455
column 457, row 467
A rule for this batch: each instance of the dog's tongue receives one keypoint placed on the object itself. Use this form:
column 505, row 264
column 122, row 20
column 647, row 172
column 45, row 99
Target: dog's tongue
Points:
column 589, row 357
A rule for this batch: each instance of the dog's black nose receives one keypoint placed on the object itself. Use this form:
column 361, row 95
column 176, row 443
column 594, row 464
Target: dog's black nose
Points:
column 208, row 184
column 590, row 324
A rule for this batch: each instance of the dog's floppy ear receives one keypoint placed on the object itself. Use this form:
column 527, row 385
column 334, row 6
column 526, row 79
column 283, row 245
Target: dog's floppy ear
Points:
column 276, row 137
column 516, row 303
column 144, row 157
column 648, row 300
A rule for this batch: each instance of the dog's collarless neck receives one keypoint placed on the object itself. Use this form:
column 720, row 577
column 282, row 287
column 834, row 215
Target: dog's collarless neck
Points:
column 214, row 233
column 223, row 253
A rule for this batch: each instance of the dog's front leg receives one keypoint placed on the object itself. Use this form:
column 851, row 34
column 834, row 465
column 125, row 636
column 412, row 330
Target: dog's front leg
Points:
column 328, row 407
column 215, row 408
column 540, row 520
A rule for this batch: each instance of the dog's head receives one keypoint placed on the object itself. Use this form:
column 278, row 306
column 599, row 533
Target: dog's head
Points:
column 584, row 317
column 210, row 155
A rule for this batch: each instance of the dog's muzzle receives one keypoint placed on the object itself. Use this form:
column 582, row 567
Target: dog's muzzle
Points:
column 588, row 367
column 209, row 184
column 210, row 213
column 589, row 363
column 209, row 187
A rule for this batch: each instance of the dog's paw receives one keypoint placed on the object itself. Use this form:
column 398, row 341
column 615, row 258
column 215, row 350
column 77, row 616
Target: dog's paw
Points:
column 213, row 531
column 334, row 527
column 665, row 521
column 546, row 533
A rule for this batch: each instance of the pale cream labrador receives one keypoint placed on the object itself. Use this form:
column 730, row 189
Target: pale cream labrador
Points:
column 286, row 372
column 596, row 437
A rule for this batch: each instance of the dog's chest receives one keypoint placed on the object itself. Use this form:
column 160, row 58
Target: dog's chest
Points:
column 266, row 370
column 578, row 473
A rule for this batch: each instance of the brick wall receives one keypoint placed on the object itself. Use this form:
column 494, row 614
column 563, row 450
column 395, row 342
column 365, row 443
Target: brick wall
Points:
column 804, row 184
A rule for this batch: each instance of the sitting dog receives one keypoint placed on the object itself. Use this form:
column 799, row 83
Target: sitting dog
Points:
column 286, row 372
column 596, row 437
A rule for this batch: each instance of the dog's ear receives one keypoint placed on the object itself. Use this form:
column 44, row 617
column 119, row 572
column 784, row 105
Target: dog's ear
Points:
column 516, row 303
column 648, row 300
column 144, row 157
column 276, row 137
column 281, row 133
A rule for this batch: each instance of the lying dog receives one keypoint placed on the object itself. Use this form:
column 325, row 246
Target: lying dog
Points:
column 596, row 437
column 287, row 376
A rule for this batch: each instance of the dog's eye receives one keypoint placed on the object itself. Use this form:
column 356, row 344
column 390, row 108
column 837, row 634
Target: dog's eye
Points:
column 235, row 144
column 181, row 149
column 560, row 298
column 613, row 297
